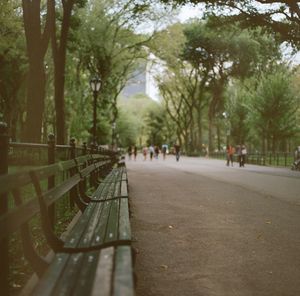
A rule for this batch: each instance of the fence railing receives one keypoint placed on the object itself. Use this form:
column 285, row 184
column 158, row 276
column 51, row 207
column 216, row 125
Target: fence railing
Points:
column 284, row 159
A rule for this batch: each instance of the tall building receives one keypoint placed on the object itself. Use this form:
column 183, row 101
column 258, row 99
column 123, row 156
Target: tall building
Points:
column 143, row 80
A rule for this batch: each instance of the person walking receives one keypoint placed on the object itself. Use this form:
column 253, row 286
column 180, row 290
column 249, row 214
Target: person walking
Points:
column 243, row 155
column 129, row 151
column 239, row 154
column 156, row 150
column 145, row 152
column 177, row 151
column 151, row 151
column 164, row 150
column 134, row 152
column 229, row 154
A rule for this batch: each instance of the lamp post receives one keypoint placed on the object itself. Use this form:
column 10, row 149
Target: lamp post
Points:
column 95, row 84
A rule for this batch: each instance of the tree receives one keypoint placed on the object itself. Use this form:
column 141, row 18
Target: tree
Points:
column 157, row 129
column 110, row 49
column 224, row 53
column 181, row 86
column 280, row 16
column 133, row 122
column 59, row 50
column 12, row 65
column 275, row 105
column 236, row 115
column 37, row 32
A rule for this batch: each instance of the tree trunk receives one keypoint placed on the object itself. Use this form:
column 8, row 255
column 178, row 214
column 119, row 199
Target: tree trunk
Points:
column 59, row 49
column 211, row 146
column 35, row 100
column 219, row 137
column 199, row 129
column 59, row 84
column 37, row 44
column 263, row 142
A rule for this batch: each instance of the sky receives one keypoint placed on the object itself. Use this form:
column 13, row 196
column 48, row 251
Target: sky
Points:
column 189, row 11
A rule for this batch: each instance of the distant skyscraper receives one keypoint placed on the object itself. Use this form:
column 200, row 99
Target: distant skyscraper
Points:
column 137, row 84
column 143, row 79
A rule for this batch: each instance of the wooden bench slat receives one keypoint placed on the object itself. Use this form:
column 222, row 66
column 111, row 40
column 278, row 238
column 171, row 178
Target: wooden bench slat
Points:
column 85, row 278
column 113, row 222
column 123, row 276
column 124, row 176
column 89, row 231
column 14, row 180
column 68, row 278
column 100, row 229
column 86, row 171
column 53, row 194
column 100, row 189
column 82, row 159
column 53, row 169
column 48, row 281
column 12, row 220
column 124, row 189
column 107, row 191
column 124, row 223
column 75, row 234
column 102, row 282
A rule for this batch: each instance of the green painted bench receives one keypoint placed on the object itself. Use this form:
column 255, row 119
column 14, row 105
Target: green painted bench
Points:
column 95, row 257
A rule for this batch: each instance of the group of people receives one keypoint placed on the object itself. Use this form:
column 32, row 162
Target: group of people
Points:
column 241, row 152
column 153, row 152
column 132, row 150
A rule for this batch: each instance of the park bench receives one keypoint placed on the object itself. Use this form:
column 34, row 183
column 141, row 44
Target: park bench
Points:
column 95, row 256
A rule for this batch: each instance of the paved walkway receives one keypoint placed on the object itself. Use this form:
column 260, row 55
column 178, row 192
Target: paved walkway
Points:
column 202, row 228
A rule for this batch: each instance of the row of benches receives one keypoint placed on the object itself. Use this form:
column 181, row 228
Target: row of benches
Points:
column 95, row 257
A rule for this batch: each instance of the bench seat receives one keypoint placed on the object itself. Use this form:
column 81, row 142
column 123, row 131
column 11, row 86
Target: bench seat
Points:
column 102, row 272
column 114, row 184
column 97, row 256
column 102, row 223
column 105, row 221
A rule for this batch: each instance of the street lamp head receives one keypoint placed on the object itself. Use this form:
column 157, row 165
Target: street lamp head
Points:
column 95, row 84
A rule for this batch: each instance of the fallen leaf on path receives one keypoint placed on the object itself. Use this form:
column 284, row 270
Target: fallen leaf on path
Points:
column 163, row 266
column 259, row 236
column 171, row 227
column 268, row 222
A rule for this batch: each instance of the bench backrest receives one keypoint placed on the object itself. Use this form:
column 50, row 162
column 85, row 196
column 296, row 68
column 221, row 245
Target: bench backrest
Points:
column 43, row 195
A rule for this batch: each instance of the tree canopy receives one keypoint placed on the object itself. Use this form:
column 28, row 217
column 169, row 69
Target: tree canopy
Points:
column 229, row 62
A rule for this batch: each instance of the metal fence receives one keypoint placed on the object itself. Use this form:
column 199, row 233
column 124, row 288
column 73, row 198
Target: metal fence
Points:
column 283, row 159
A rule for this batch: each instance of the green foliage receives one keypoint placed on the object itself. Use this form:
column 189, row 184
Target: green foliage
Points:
column 263, row 110
column 157, row 126
column 132, row 125
column 280, row 18
column 275, row 104
column 235, row 51
column 12, row 63
column 236, row 115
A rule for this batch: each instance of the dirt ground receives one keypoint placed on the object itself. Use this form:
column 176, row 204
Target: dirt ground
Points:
column 198, row 234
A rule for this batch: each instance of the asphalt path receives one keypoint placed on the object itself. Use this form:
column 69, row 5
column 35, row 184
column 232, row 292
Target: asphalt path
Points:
column 202, row 228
